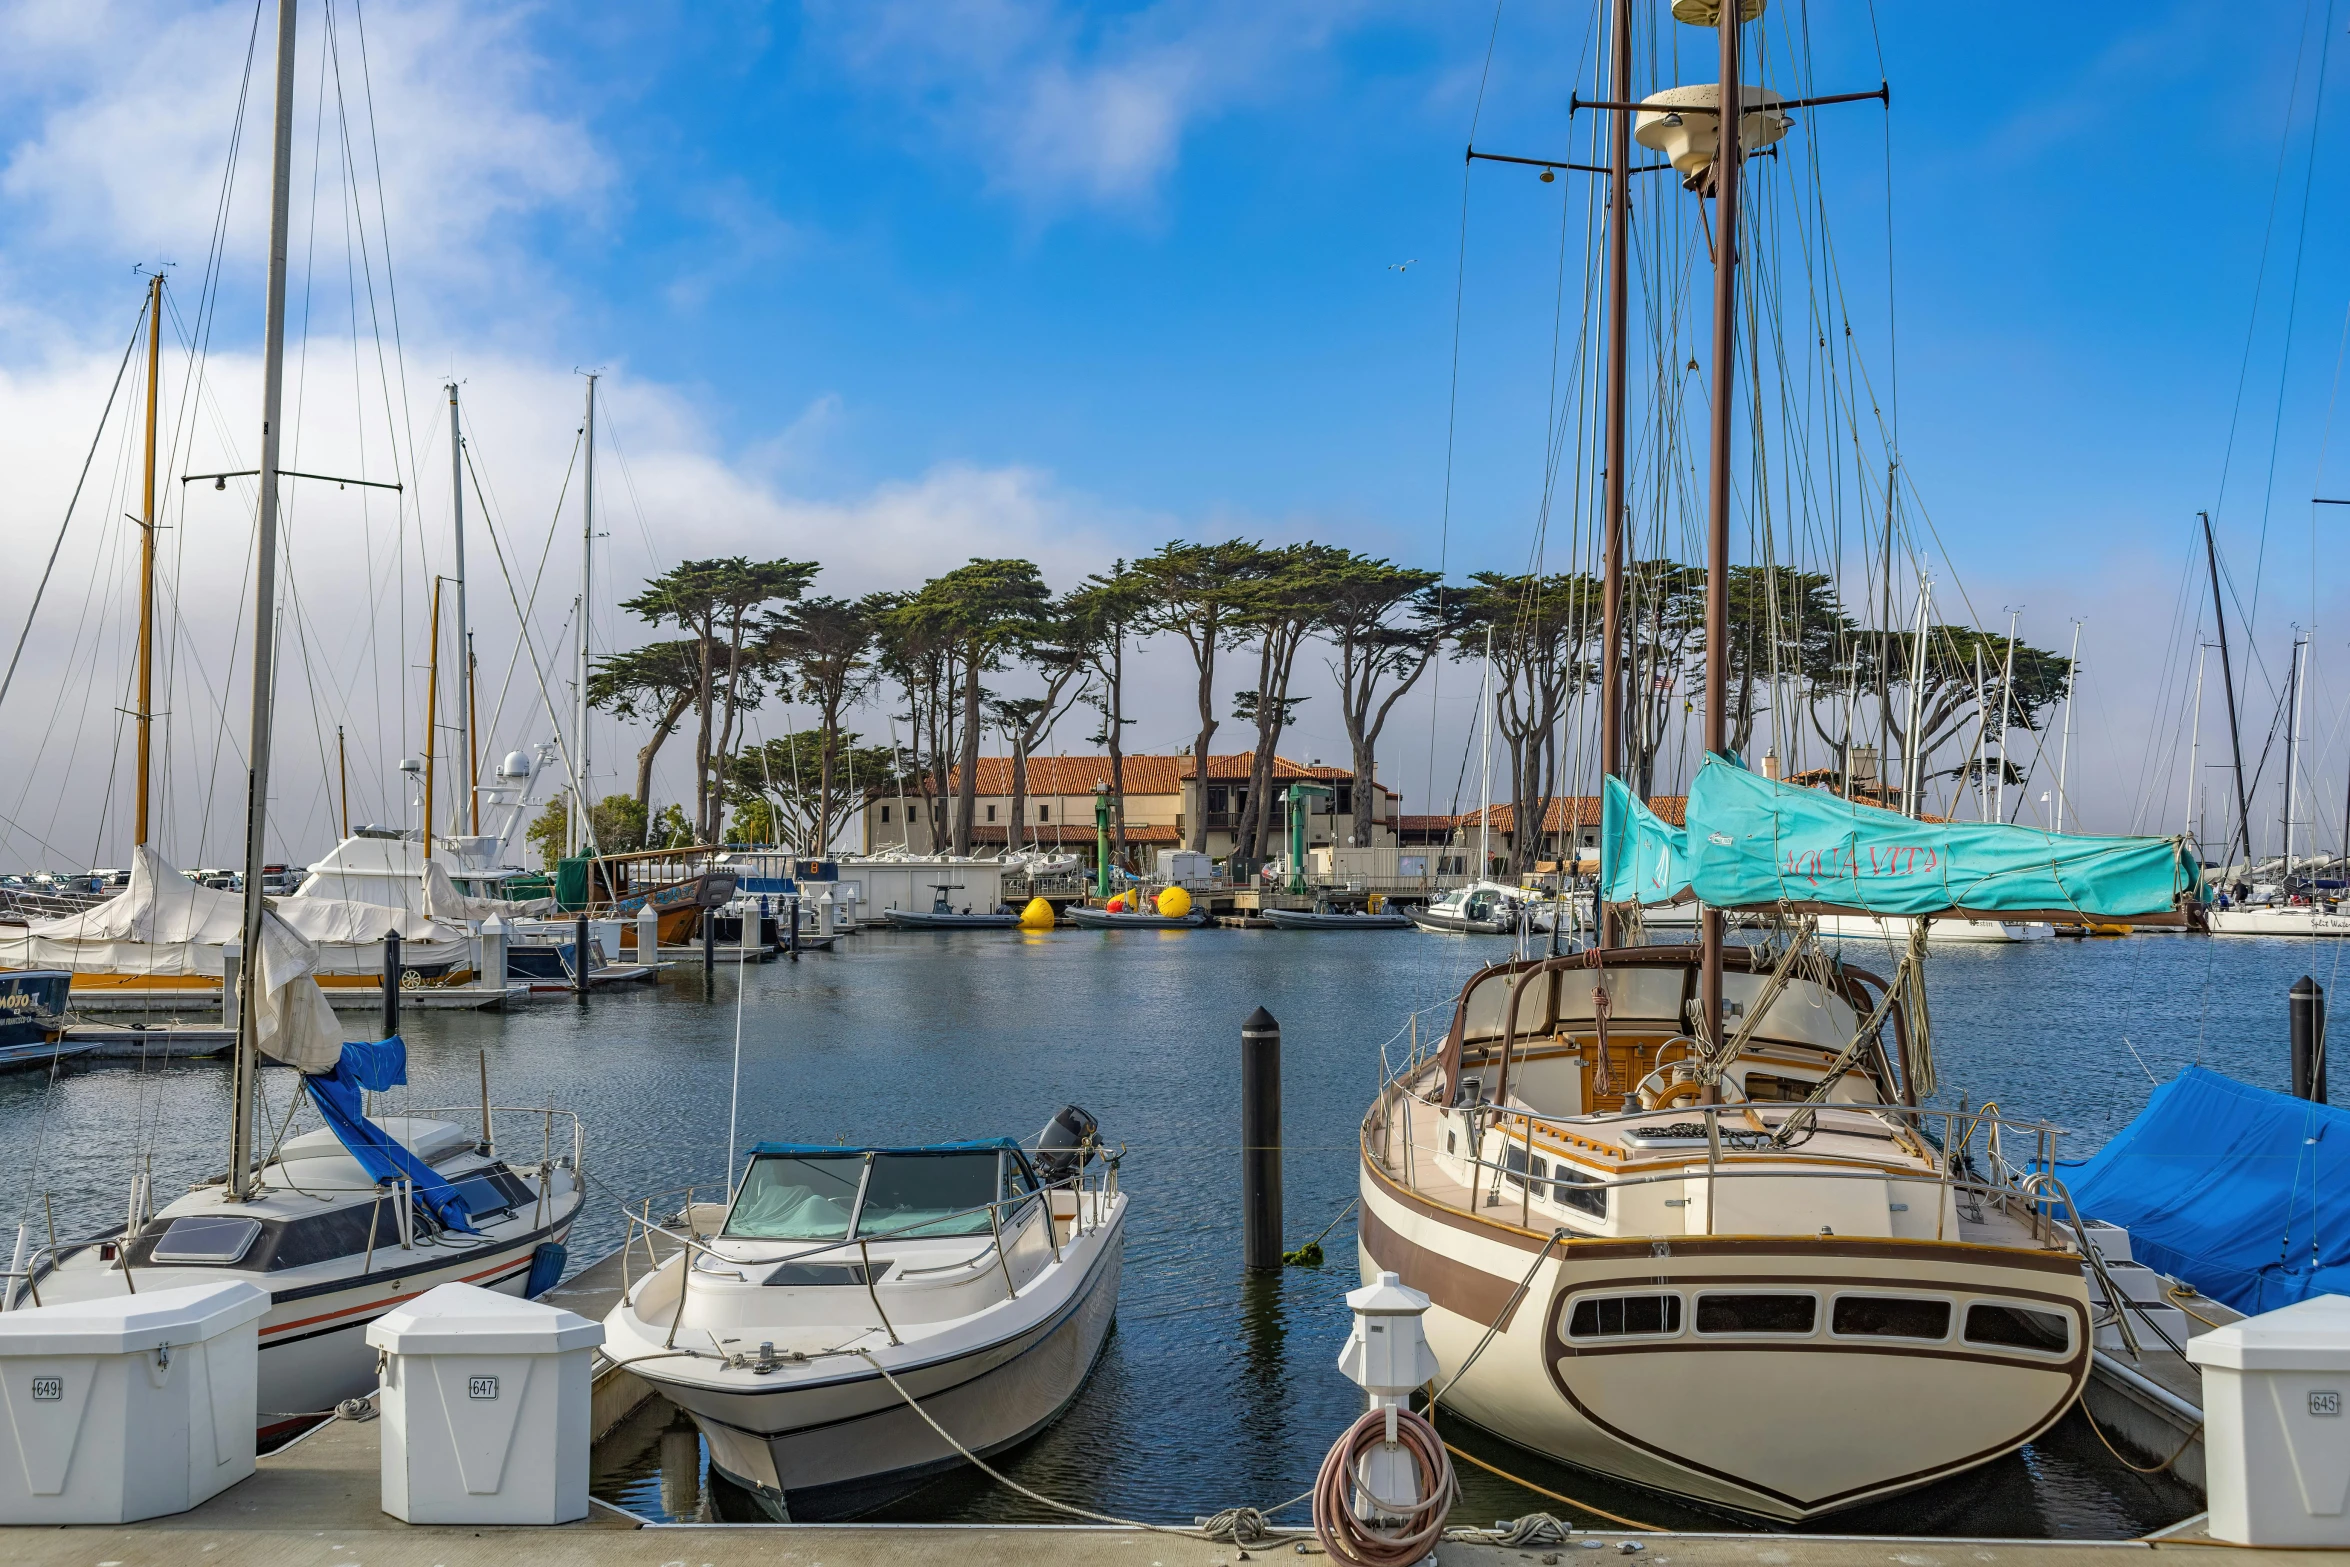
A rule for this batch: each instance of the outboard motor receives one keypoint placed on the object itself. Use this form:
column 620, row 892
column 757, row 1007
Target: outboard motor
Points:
column 1066, row 1143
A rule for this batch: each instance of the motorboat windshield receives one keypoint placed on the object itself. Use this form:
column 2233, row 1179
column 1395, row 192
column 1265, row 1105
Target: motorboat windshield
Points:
column 904, row 1194
column 913, row 1195
column 797, row 1198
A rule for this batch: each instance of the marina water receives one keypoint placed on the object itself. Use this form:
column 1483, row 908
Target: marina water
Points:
column 1217, row 1389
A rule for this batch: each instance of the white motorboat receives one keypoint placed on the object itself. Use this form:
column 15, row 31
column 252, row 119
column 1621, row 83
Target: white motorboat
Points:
column 1939, row 932
column 1481, row 908
column 336, row 1246
column 796, row 1323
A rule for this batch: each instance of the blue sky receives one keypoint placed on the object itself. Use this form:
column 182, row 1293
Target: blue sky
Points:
column 886, row 285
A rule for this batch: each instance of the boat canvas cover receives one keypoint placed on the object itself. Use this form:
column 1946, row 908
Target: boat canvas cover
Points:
column 1647, row 860
column 1755, row 843
column 2242, row 1192
column 165, row 924
column 378, row 1066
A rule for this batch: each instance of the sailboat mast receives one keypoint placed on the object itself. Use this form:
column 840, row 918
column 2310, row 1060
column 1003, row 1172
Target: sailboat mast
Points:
column 464, row 693
column 1912, row 771
column 2292, row 755
column 1485, row 770
column 581, row 829
column 2227, row 680
column 145, row 715
column 1619, row 293
column 1728, row 117
column 343, row 774
column 247, row 1070
column 2064, row 749
column 2195, row 752
column 2006, row 713
column 432, row 714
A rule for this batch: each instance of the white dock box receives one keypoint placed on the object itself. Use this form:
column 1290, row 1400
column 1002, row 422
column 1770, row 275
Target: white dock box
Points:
column 2276, row 1434
column 128, row 1408
column 485, row 1408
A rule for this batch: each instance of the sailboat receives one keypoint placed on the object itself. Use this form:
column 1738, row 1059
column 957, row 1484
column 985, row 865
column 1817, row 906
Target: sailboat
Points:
column 341, row 1224
column 1682, row 1212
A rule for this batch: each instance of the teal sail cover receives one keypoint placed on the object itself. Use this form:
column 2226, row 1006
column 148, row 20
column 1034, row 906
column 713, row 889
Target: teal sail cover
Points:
column 1755, row 843
column 1647, row 861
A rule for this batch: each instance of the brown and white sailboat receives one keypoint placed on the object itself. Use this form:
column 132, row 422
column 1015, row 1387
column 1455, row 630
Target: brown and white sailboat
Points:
column 1682, row 1213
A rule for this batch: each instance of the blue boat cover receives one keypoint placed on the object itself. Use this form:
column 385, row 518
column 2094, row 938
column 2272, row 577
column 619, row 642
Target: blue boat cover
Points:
column 2243, row 1192
column 1647, row 861
column 381, row 1065
column 1754, row 843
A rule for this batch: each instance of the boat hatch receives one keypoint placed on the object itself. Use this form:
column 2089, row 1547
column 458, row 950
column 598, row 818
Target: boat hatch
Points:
column 207, row 1238
column 803, row 1274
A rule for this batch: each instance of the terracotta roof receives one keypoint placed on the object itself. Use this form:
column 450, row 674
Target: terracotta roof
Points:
column 1075, row 775
column 1070, row 836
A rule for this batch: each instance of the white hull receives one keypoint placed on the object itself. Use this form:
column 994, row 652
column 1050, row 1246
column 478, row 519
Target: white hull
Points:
column 1939, row 933
column 2289, row 920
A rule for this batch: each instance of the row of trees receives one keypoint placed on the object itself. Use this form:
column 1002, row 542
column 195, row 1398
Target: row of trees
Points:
column 748, row 632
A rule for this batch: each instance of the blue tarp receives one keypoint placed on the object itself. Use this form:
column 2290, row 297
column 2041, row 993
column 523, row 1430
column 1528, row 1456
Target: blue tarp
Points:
column 1647, row 861
column 2243, row 1192
column 378, row 1066
column 1758, row 844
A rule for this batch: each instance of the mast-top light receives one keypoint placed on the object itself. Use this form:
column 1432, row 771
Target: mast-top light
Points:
column 1684, row 124
column 1708, row 13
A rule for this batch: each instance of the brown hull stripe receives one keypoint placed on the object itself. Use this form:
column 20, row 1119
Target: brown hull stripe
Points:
column 1460, row 1289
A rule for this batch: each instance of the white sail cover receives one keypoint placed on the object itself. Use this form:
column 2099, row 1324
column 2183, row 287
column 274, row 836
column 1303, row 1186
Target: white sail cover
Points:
column 165, row 924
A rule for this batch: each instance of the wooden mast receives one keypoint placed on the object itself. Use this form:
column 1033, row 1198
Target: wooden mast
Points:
column 1729, row 113
column 1611, row 658
column 247, row 1069
column 144, row 715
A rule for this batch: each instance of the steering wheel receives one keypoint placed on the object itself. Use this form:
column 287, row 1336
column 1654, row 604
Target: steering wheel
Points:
column 1674, row 1079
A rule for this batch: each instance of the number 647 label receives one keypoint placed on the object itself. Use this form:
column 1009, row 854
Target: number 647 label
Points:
column 481, row 1387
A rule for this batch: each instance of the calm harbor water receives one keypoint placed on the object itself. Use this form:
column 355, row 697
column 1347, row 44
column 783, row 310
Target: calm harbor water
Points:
column 1215, row 1390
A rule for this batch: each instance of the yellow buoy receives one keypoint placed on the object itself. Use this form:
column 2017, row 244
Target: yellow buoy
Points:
column 1038, row 915
column 1175, row 903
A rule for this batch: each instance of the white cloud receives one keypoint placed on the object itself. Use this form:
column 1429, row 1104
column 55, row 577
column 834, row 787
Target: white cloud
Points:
column 1056, row 109
column 125, row 114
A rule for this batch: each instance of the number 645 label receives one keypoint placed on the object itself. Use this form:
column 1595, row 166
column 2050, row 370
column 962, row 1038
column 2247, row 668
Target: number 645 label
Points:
column 2327, row 1403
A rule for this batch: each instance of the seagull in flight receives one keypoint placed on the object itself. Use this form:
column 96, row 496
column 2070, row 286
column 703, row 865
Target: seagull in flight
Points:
column 1403, row 266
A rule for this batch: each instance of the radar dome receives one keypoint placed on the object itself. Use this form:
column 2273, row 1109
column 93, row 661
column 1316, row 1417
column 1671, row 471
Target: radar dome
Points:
column 1684, row 124
column 516, row 765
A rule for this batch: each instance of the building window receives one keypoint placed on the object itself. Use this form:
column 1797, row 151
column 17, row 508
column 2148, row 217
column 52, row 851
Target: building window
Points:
column 885, row 813
column 1044, row 813
column 1219, row 800
column 1346, row 800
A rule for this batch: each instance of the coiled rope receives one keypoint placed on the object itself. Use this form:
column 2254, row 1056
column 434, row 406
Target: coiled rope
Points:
column 1359, row 1542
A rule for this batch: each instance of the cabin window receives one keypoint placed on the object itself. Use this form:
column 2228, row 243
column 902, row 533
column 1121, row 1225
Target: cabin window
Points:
column 1757, row 1313
column 206, row 1238
column 929, row 1194
column 1488, row 1004
column 324, row 1237
column 1580, row 1191
column 2018, row 1327
column 803, row 1198
column 1625, row 1316
column 1452, row 1142
column 492, row 1192
column 1762, row 1088
column 1890, row 1316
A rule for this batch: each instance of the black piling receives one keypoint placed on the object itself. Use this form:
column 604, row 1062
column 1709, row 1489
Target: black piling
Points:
column 709, row 943
column 579, row 955
column 791, row 911
column 1260, row 1140
column 391, row 1018
column 2306, row 1002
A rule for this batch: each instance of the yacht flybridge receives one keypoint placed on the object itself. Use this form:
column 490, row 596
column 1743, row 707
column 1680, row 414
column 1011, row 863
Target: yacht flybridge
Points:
column 797, row 1323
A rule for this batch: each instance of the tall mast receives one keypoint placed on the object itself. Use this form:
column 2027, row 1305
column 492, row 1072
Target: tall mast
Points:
column 1619, row 293
column 432, row 714
column 2064, row 751
column 145, row 715
column 1728, row 115
column 1912, row 763
column 465, row 820
column 2195, row 751
column 2292, row 740
column 1485, row 775
column 580, row 830
column 343, row 774
column 247, row 1070
column 2227, row 680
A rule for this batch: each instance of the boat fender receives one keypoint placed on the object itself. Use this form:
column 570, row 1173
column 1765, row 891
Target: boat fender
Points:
column 546, row 1269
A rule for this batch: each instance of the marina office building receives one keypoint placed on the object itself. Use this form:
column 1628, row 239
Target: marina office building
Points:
column 1163, row 797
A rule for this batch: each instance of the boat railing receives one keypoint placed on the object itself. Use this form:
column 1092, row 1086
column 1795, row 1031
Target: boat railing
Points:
column 1941, row 1140
column 540, row 1118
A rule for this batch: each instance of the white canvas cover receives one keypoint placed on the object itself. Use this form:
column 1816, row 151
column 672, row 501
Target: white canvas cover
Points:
column 165, row 924
column 393, row 872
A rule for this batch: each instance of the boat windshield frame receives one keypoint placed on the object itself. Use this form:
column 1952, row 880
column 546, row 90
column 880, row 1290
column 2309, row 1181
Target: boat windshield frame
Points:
column 1015, row 1186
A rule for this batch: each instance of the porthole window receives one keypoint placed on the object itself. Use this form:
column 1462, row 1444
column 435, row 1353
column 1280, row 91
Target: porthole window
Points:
column 1890, row 1316
column 1784, row 1314
column 1624, row 1316
column 2018, row 1327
